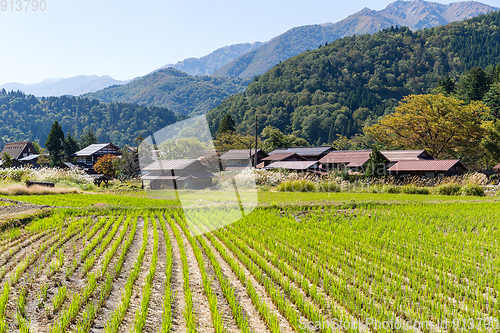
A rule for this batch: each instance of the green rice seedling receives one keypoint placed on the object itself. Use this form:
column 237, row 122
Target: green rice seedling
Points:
column 22, row 323
column 59, row 299
column 166, row 323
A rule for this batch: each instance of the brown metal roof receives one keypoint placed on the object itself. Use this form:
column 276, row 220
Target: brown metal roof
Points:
column 406, row 155
column 497, row 167
column 425, row 165
column 170, row 164
column 352, row 158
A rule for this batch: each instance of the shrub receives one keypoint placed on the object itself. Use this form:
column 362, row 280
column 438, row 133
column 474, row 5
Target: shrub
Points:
column 328, row 186
column 297, row 186
column 392, row 189
column 412, row 189
column 448, row 189
column 472, row 190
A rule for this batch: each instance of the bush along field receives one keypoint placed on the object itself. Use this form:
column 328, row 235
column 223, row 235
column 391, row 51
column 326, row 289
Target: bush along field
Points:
column 372, row 267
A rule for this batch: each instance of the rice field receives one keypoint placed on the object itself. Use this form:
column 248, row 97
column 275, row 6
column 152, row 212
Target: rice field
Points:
column 375, row 268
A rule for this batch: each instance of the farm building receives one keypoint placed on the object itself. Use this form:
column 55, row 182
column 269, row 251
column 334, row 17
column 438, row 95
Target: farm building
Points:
column 176, row 174
column 428, row 168
column 394, row 156
column 297, row 166
column 311, row 153
column 237, row 159
column 87, row 157
column 279, row 157
column 18, row 150
column 351, row 160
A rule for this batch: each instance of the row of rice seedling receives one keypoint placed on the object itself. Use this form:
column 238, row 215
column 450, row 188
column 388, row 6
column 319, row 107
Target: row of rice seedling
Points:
column 188, row 297
column 116, row 318
column 4, row 296
column 91, row 310
column 166, row 323
column 212, row 297
column 142, row 312
column 427, row 284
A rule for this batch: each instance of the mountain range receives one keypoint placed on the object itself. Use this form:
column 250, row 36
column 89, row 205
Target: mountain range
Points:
column 64, row 86
column 415, row 14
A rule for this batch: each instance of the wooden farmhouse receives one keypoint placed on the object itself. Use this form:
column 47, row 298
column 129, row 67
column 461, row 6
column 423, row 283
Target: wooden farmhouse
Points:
column 350, row 160
column 87, row 157
column 394, row 156
column 280, row 157
column 239, row 159
column 297, row 166
column 18, row 150
column 311, row 153
column 428, row 168
column 176, row 174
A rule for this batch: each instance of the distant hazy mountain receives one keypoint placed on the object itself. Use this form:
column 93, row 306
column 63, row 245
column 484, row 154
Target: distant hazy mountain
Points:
column 175, row 90
column 211, row 62
column 416, row 14
column 60, row 86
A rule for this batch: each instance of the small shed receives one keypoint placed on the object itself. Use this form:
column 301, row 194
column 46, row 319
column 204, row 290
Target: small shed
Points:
column 176, row 174
column 237, row 159
column 428, row 168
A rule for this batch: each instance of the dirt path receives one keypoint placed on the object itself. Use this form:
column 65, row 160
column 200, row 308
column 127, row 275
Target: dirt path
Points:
column 155, row 310
column 119, row 283
column 178, row 303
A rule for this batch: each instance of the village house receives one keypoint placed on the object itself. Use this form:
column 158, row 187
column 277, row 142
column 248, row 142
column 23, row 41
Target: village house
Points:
column 310, row 153
column 394, row 156
column 350, row 160
column 87, row 157
column 428, row 168
column 176, row 174
column 18, row 150
column 239, row 159
column 297, row 166
column 280, row 157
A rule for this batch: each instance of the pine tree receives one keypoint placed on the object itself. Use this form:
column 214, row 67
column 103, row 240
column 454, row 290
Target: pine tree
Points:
column 87, row 137
column 226, row 125
column 376, row 165
column 55, row 144
column 70, row 146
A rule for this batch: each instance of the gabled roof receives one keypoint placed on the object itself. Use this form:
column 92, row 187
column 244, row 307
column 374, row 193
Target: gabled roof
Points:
column 240, row 154
column 310, row 151
column 94, row 149
column 282, row 156
column 497, row 167
column 351, row 158
column 406, row 155
column 171, row 164
column 292, row 165
column 15, row 149
column 277, row 151
column 425, row 165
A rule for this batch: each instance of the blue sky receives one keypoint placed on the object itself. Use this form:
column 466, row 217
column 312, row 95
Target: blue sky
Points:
column 126, row 39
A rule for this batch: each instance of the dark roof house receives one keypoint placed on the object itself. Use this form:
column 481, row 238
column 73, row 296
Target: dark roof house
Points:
column 176, row 174
column 18, row 150
column 88, row 156
column 428, row 168
column 311, row 153
column 237, row 159
column 285, row 156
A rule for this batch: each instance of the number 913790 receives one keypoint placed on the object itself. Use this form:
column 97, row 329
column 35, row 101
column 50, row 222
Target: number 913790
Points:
column 23, row 5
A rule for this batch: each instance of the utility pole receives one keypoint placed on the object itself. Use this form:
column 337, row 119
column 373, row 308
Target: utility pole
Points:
column 255, row 153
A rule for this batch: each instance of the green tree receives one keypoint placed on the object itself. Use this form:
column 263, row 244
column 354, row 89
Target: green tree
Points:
column 87, row 137
column 275, row 139
column 37, row 147
column 55, row 144
column 70, row 146
column 7, row 161
column 444, row 126
column 376, row 165
column 128, row 165
column 473, row 85
column 226, row 125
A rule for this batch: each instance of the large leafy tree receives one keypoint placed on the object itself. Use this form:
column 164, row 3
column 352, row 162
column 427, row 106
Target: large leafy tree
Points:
column 275, row 139
column 55, row 144
column 444, row 126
